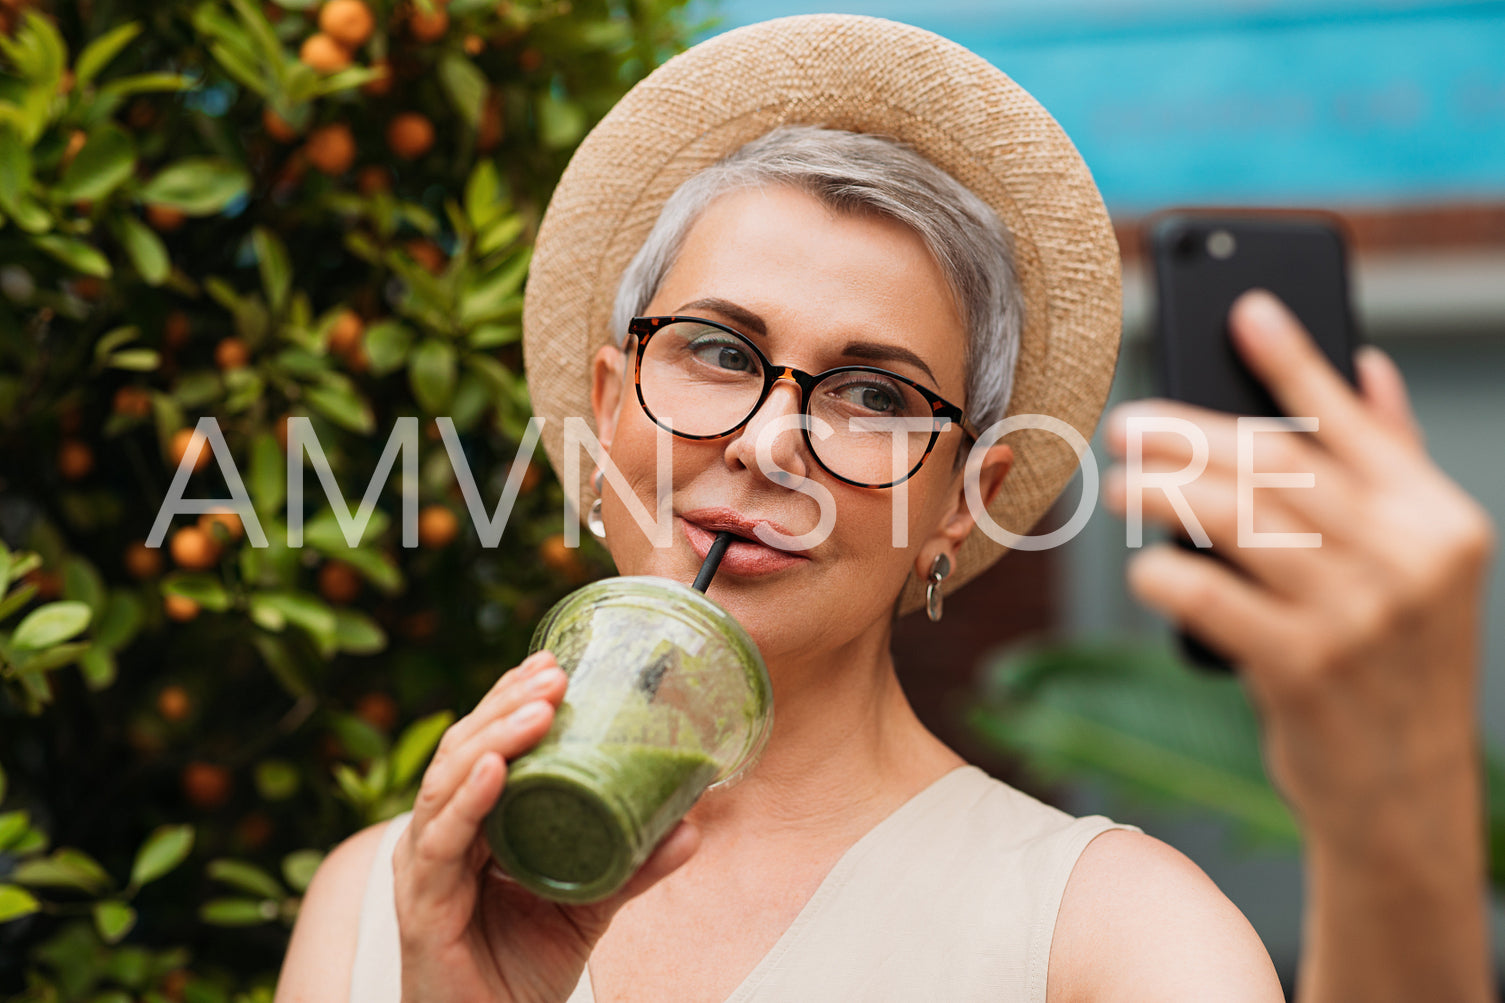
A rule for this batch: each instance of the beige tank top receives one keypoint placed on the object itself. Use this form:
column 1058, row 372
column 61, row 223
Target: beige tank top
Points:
column 952, row 897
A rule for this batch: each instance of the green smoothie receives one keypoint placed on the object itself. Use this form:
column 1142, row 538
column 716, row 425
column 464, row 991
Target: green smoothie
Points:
column 572, row 833
column 667, row 696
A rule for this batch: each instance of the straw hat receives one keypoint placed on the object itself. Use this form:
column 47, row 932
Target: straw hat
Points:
column 861, row 74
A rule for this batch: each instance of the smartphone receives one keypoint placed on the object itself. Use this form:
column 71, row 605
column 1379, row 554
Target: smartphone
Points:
column 1202, row 263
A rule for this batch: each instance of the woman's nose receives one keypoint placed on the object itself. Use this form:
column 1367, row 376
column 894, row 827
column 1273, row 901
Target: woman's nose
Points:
column 774, row 431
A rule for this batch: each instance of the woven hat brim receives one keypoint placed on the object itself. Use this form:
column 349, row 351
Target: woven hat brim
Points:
column 868, row 75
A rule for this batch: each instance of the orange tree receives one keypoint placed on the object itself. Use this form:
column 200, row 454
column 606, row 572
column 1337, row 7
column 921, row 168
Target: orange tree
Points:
column 257, row 213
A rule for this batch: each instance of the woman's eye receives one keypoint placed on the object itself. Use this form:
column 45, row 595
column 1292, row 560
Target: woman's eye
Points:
column 876, row 399
column 722, row 356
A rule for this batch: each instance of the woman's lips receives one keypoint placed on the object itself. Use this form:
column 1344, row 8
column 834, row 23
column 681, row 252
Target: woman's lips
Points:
column 743, row 557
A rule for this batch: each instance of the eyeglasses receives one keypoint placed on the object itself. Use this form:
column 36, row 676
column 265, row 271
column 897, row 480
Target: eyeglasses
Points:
column 702, row 380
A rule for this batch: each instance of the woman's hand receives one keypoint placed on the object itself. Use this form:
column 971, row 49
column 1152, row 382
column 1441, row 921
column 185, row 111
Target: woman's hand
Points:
column 467, row 932
column 1361, row 654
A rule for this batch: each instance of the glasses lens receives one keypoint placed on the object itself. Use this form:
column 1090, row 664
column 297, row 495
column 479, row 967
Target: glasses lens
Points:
column 880, row 426
column 698, row 379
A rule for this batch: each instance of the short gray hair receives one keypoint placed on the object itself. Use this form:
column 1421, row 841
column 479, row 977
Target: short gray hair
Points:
column 855, row 172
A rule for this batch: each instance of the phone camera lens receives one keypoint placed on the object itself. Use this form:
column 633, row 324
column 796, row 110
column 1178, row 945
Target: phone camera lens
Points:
column 1187, row 245
column 1221, row 245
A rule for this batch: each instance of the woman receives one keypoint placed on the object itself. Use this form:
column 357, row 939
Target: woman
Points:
column 861, row 858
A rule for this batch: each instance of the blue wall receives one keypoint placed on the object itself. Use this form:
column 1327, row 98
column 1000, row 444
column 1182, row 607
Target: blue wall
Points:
column 1325, row 102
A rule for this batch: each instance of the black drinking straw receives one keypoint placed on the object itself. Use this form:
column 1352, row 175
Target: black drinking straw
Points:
column 712, row 562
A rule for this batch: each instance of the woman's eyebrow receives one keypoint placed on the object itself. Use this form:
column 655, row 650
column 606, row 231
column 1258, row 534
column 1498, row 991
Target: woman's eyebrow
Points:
column 739, row 315
column 869, row 351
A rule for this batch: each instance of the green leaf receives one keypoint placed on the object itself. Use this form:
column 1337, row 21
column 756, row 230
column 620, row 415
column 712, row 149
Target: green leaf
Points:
column 343, row 406
column 65, row 868
column 147, row 83
column 75, row 253
column 118, row 621
column 145, row 249
column 465, row 86
column 51, row 624
column 98, row 667
column 298, row 868
column 136, row 360
column 113, row 920
column 238, row 912
column 204, row 589
column 82, row 583
column 200, row 186
column 113, row 339
column 164, row 849
column 376, row 567
column 194, row 390
column 98, row 53
column 483, row 195
column 416, row 744
column 357, row 633
column 277, row 779
column 299, row 609
column 16, row 902
column 561, row 123
column 432, row 375
column 494, row 295
column 245, row 877
column 387, row 343
column 106, row 161
column 15, row 166
column 360, row 739
column 276, row 270
column 267, row 479
column 47, row 659
column 13, row 824
column 5, row 566
column 499, row 234
column 489, row 336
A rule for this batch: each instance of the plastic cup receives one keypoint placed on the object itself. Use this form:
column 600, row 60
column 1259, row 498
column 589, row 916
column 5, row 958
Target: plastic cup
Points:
column 668, row 697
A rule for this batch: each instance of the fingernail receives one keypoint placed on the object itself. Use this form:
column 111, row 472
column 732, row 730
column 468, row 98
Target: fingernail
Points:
column 533, row 663
column 1264, row 310
column 545, row 680
column 531, row 713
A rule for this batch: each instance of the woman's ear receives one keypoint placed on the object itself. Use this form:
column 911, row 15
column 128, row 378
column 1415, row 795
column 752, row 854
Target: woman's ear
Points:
column 990, row 468
column 607, row 375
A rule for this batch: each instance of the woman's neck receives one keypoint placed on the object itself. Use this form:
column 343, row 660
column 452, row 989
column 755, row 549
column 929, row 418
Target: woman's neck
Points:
column 846, row 748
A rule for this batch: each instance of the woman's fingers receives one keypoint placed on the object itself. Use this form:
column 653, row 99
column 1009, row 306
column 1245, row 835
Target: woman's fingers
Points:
column 441, row 863
column 538, row 677
column 1384, row 391
column 1283, row 356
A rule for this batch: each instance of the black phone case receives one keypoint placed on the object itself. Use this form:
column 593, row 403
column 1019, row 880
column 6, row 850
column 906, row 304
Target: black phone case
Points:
column 1202, row 264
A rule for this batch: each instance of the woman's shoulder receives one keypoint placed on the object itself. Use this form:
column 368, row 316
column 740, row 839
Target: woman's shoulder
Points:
column 1140, row 917
column 323, row 944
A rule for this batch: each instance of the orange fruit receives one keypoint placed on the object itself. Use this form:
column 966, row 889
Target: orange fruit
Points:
column 143, row 562
column 437, row 526
column 474, row 45
column 133, row 402
column 410, row 135
column 381, row 86
column 331, row 148
column 338, row 582
column 229, row 523
column 76, row 141
column 194, row 549
column 176, row 329
column 373, row 178
column 88, row 287
column 561, row 558
column 531, row 476
column 49, row 585
column 529, row 60
column 489, row 130
column 282, row 432
column 348, row 22
column 74, row 459
column 428, row 26
column 231, row 353
column 378, row 710
column 173, row 703
column 323, row 53
column 346, row 333
column 426, row 253
column 277, row 127
column 206, row 785
column 420, row 625
column 255, row 830
column 165, row 218
column 180, row 608
column 183, row 442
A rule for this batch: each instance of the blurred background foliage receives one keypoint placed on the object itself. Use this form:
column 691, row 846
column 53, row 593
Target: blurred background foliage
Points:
column 253, row 212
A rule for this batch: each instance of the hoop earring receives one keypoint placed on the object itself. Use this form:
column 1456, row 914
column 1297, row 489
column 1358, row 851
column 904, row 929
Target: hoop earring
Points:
column 593, row 520
column 939, row 569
